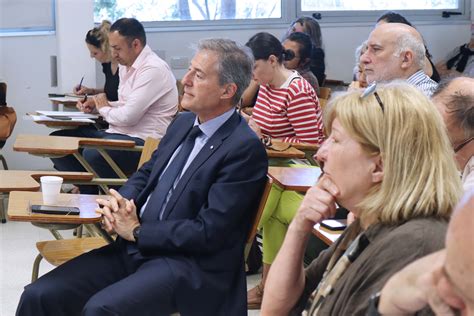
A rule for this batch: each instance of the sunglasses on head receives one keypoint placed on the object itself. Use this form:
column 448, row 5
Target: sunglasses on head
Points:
column 371, row 89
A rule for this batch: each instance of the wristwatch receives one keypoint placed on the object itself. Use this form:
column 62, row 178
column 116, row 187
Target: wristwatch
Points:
column 374, row 305
column 136, row 233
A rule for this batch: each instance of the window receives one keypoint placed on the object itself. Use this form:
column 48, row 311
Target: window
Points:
column 369, row 10
column 179, row 13
column 17, row 17
column 368, row 5
column 184, row 10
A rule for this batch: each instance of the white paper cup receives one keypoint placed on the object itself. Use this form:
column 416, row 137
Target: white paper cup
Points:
column 51, row 186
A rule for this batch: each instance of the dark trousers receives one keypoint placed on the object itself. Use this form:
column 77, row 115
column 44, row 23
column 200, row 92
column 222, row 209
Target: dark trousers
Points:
column 126, row 160
column 105, row 281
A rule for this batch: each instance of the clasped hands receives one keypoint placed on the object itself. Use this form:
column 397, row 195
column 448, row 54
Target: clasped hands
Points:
column 119, row 215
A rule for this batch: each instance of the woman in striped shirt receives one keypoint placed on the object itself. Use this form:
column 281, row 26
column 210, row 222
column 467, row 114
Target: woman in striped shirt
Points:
column 287, row 107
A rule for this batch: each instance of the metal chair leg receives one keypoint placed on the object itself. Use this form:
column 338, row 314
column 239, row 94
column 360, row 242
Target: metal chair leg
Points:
column 4, row 162
column 34, row 273
column 3, row 215
column 79, row 231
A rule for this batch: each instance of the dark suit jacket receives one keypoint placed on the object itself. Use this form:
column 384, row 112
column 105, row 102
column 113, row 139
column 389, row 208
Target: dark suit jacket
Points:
column 202, row 234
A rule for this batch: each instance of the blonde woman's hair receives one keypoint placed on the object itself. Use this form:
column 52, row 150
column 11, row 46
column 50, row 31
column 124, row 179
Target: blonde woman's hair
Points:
column 420, row 175
column 99, row 36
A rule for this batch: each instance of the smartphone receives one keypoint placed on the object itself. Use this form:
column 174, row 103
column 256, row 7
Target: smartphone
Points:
column 334, row 224
column 55, row 210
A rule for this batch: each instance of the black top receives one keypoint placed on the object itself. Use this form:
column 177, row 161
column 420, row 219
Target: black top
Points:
column 111, row 82
column 435, row 76
column 318, row 66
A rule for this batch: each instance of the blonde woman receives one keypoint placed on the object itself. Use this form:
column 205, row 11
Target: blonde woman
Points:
column 387, row 159
column 97, row 42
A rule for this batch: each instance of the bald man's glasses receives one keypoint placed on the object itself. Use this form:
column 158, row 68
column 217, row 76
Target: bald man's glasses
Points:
column 371, row 89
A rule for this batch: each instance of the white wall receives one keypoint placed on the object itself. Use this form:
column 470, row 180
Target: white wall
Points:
column 339, row 43
column 25, row 66
column 26, row 69
column 24, row 62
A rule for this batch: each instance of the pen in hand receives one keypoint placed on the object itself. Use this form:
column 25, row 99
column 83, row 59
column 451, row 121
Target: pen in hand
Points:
column 78, row 88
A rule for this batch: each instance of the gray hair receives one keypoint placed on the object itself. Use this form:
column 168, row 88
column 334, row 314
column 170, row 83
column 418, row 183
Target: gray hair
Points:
column 460, row 105
column 235, row 63
column 360, row 50
column 407, row 41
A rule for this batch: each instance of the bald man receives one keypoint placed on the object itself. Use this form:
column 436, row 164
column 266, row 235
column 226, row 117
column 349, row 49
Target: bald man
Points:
column 444, row 280
column 454, row 99
column 396, row 51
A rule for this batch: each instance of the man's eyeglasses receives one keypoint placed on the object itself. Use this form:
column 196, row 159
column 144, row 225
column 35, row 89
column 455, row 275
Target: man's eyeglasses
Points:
column 371, row 89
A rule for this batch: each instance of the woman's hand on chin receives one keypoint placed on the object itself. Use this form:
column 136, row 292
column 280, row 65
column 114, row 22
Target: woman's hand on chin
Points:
column 318, row 204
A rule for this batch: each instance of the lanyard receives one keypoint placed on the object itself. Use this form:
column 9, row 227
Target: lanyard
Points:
column 335, row 269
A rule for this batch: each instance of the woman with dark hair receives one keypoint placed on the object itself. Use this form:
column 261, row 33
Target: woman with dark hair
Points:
column 97, row 42
column 394, row 17
column 300, row 44
column 310, row 26
column 287, row 107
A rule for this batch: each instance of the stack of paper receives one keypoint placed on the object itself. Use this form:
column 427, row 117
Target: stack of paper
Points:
column 68, row 114
column 55, row 116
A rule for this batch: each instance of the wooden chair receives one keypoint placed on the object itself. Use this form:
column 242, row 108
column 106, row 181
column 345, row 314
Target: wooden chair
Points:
column 148, row 148
column 258, row 216
column 323, row 103
column 59, row 146
column 56, row 252
column 19, row 180
column 324, row 93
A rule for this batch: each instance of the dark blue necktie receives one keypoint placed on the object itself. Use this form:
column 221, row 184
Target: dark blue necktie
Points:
column 165, row 184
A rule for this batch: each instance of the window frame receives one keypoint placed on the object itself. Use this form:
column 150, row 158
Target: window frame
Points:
column 291, row 10
column 414, row 16
column 288, row 11
column 33, row 30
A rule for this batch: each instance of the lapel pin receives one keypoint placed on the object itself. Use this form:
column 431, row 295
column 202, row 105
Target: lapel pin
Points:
column 212, row 147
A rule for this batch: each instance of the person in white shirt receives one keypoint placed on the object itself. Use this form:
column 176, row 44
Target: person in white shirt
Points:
column 147, row 102
column 396, row 51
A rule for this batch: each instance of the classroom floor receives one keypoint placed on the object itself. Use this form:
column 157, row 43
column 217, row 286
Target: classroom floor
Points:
column 17, row 253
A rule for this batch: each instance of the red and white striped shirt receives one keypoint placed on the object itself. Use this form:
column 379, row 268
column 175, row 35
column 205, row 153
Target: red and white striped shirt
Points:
column 290, row 113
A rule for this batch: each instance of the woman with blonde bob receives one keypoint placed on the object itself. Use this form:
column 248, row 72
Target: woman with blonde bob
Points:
column 388, row 160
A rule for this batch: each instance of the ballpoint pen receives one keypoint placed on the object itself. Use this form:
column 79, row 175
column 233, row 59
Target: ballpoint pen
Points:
column 80, row 84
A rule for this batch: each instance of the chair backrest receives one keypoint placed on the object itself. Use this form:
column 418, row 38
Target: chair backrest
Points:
column 324, row 93
column 323, row 103
column 148, row 148
column 258, row 216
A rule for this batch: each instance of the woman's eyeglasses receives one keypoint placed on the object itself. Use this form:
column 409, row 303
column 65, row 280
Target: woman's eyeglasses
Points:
column 371, row 89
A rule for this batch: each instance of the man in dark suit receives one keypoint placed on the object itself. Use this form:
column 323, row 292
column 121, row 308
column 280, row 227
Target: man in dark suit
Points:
column 182, row 218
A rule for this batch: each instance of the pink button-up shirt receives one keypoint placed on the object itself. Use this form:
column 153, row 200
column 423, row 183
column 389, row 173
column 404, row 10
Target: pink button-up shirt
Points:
column 147, row 98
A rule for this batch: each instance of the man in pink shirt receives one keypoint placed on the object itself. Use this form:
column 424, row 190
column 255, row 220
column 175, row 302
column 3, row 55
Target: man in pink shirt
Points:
column 147, row 102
